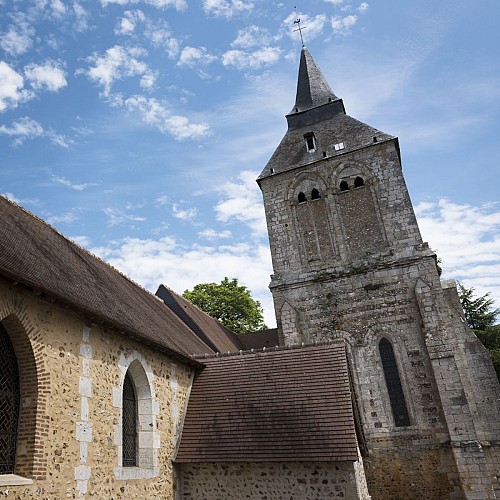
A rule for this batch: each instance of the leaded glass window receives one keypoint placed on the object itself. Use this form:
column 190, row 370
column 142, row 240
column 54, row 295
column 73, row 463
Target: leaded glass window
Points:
column 9, row 403
column 129, row 423
column 393, row 381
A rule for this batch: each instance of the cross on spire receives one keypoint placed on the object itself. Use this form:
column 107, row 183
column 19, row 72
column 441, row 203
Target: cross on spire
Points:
column 299, row 29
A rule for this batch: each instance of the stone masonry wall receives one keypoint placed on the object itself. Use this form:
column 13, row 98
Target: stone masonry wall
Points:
column 80, row 367
column 270, row 481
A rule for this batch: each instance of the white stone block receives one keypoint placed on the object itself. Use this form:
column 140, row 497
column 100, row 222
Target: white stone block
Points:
column 86, row 334
column 84, row 431
column 85, row 387
column 117, row 397
column 84, row 452
column 86, row 351
column 118, row 435
column 84, row 413
column 82, row 473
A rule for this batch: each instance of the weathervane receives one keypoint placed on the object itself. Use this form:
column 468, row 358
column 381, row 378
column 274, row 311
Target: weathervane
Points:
column 299, row 29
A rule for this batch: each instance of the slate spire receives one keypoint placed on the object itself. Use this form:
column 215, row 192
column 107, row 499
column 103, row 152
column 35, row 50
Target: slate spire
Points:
column 312, row 88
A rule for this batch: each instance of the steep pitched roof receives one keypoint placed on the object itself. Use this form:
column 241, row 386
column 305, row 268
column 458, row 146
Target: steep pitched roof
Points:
column 36, row 255
column 318, row 111
column 279, row 405
column 207, row 329
column 312, row 88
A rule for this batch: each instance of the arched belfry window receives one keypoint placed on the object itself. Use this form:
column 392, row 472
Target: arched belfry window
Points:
column 315, row 194
column 129, row 423
column 344, row 186
column 393, row 381
column 9, row 403
column 302, row 197
column 358, row 182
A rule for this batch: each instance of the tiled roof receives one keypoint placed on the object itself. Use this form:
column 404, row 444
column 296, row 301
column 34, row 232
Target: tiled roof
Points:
column 36, row 255
column 207, row 329
column 275, row 405
column 258, row 340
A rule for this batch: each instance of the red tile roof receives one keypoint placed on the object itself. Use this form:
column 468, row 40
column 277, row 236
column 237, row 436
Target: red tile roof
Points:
column 276, row 405
column 36, row 255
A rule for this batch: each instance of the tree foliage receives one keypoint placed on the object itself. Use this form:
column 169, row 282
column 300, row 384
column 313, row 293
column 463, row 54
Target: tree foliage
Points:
column 481, row 318
column 229, row 303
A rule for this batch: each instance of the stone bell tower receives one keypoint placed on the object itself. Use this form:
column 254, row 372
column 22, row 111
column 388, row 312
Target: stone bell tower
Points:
column 349, row 262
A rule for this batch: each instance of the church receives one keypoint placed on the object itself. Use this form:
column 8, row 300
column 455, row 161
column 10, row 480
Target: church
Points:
column 371, row 387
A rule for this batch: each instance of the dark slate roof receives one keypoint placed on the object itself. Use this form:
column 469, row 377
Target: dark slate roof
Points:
column 258, row 340
column 312, row 87
column 279, row 405
column 206, row 328
column 36, row 255
column 318, row 111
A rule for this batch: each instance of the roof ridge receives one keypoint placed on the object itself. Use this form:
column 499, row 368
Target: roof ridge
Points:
column 302, row 345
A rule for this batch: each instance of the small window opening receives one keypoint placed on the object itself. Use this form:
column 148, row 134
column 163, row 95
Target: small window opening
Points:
column 302, row 197
column 315, row 194
column 324, row 154
column 358, row 182
column 375, row 139
column 129, row 423
column 339, row 146
column 310, row 142
column 344, row 186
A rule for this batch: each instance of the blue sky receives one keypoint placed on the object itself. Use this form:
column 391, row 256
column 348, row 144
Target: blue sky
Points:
column 137, row 128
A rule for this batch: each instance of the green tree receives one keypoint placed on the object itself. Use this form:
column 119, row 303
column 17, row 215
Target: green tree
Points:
column 478, row 311
column 229, row 303
column 481, row 318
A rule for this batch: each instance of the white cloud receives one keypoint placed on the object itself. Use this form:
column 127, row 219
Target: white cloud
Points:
column 48, row 76
column 24, row 128
column 227, row 8
column 118, row 217
column 18, row 38
column 251, row 60
column 252, row 36
column 467, row 239
column 66, row 218
column 342, row 25
column 156, row 114
column 27, row 128
column 82, row 18
column 213, row 235
column 116, row 64
column 363, row 7
column 242, row 202
column 77, row 187
column 128, row 23
column 150, row 262
column 181, row 214
column 311, row 26
column 195, row 56
column 159, row 4
column 334, row 2
column 11, row 88
column 160, row 36
column 58, row 8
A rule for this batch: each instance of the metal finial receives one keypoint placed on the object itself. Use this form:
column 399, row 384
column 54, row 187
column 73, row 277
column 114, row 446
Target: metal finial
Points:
column 299, row 29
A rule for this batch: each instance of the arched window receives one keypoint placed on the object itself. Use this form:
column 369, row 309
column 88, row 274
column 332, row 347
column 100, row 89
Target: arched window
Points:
column 358, row 182
column 302, row 197
column 9, row 403
column 344, row 186
column 394, row 388
column 129, row 423
column 315, row 194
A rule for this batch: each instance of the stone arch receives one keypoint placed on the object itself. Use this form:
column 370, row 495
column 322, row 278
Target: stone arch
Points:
column 355, row 190
column 34, row 385
column 148, row 438
column 311, row 215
